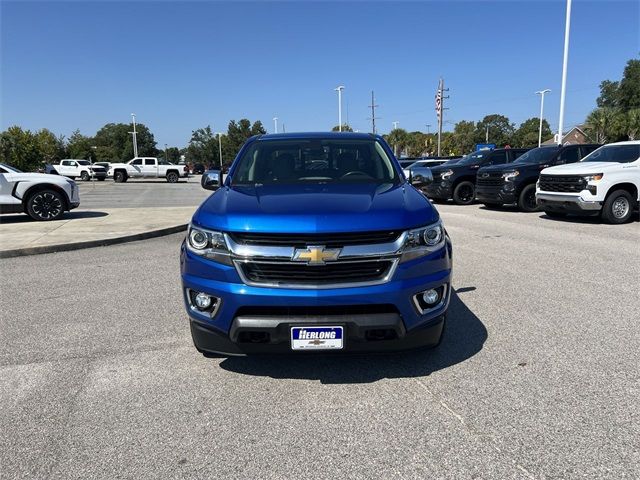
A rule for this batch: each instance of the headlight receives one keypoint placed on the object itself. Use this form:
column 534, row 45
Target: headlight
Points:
column 593, row 178
column 509, row 176
column 208, row 243
column 422, row 241
column 446, row 174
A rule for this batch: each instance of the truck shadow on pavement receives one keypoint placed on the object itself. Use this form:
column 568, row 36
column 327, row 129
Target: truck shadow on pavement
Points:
column 464, row 336
column 74, row 215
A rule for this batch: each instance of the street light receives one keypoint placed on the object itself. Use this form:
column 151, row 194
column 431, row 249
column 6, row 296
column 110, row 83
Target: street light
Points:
column 339, row 89
column 395, row 124
column 166, row 153
column 275, row 124
column 541, row 93
column 565, row 59
column 135, row 137
column 220, row 147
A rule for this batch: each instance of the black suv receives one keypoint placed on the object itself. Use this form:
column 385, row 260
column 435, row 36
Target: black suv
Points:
column 516, row 183
column 458, row 180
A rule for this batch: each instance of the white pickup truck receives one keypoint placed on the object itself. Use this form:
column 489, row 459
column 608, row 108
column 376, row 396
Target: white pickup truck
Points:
column 73, row 168
column 605, row 182
column 147, row 167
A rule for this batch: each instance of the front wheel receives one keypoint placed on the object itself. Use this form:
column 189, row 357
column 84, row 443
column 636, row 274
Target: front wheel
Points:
column 527, row 199
column 85, row 177
column 618, row 207
column 464, row 193
column 119, row 177
column 172, row 177
column 46, row 205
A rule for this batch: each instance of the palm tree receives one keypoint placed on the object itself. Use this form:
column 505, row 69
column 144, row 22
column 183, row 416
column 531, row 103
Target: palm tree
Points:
column 600, row 123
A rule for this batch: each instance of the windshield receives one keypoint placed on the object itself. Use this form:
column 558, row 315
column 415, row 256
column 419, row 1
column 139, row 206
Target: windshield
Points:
column 614, row 153
column 538, row 155
column 11, row 169
column 473, row 158
column 314, row 161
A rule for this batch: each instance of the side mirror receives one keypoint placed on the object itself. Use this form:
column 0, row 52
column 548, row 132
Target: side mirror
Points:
column 420, row 176
column 210, row 180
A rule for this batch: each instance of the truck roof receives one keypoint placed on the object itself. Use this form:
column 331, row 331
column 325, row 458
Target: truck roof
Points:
column 319, row 135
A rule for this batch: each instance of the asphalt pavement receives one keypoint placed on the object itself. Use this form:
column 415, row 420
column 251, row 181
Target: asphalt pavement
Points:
column 538, row 375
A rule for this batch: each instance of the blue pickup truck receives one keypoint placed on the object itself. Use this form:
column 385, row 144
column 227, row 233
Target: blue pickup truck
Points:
column 315, row 242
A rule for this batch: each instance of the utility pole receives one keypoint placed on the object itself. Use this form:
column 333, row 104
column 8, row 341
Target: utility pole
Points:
column 339, row 89
column 541, row 93
column 565, row 59
column 428, row 125
column 220, row 147
column 440, row 98
column 135, row 137
column 373, row 113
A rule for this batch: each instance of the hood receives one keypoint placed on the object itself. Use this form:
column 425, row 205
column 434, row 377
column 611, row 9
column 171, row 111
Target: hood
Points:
column 42, row 177
column 582, row 168
column 317, row 208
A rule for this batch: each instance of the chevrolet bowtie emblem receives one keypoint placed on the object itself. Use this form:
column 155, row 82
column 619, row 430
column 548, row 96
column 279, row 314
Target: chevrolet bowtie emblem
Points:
column 316, row 255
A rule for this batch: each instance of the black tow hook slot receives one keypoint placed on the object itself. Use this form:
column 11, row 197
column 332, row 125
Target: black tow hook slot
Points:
column 254, row 337
column 380, row 334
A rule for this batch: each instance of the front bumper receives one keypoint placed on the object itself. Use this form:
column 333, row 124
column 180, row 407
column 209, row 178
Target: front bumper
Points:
column 253, row 319
column 441, row 191
column 495, row 194
column 564, row 202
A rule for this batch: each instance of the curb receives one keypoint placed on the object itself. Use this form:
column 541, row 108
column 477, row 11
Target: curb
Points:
column 19, row 252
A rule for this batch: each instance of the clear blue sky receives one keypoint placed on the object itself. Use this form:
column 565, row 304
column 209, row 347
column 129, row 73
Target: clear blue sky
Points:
column 183, row 65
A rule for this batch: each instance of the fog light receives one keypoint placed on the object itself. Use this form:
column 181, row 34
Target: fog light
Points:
column 430, row 297
column 203, row 301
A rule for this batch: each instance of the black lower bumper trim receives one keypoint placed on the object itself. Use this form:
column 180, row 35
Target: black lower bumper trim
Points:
column 269, row 335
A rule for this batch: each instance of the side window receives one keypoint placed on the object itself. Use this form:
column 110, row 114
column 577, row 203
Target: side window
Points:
column 65, row 163
column 2, row 170
column 73, row 164
column 149, row 161
column 137, row 161
column 569, row 155
column 517, row 153
column 587, row 149
column 497, row 158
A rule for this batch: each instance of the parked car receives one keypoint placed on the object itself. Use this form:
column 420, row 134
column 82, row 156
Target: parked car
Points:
column 39, row 195
column 147, row 167
column 73, row 169
column 516, row 182
column 198, row 169
column 606, row 182
column 281, row 258
column 458, row 180
column 429, row 162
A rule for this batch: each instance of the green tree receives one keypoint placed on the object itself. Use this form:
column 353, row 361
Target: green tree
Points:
column 345, row 128
column 527, row 134
column 203, row 147
column 600, row 125
column 79, row 146
column 501, row 130
column 238, row 133
column 19, row 148
column 629, row 88
column 464, row 137
column 448, row 144
column 398, row 138
column 173, row 154
column 115, row 143
column 416, row 144
column 51, row 149
column 608, row 94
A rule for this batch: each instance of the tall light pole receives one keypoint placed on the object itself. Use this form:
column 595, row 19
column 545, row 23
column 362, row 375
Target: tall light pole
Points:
column 395, row 124
column 275, row 124
column 339, row 89
column 220, row 148
column 565, row 59
column 135, row 138
column 541, row 93
column 166, row 153
column 428, row 125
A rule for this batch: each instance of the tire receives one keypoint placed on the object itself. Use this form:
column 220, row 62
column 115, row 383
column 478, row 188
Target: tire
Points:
column 527, row 199
column 464, row 193
column 119, row 176
column 172, row 177
column 552, row 214
column 618, row 207
column 46, row 205
column 85, row 177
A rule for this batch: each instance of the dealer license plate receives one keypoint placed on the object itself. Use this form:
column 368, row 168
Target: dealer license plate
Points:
column 317, row 338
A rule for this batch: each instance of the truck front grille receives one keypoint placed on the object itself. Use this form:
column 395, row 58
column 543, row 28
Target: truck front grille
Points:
column 301, row 274
column 564, row 183
column 490, row 180
column 329, row 240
